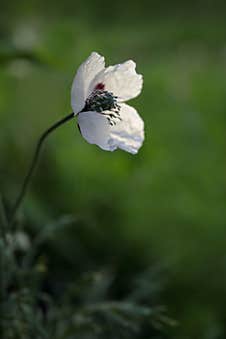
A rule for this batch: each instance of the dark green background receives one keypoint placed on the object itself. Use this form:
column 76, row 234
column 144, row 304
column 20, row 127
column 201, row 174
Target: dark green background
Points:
column 164, row 205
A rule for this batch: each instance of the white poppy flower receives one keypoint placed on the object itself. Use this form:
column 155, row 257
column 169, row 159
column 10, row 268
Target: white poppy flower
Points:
column 97, row 98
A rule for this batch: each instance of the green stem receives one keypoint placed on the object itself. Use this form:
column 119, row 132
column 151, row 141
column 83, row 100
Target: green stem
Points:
column 34, row 162
column 3, row 218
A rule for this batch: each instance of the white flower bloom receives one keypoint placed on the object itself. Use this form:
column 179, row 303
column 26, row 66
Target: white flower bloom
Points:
column 97, row 97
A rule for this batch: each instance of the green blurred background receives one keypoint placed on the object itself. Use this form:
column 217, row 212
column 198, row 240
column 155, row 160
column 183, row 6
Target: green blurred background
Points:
column 164, row 206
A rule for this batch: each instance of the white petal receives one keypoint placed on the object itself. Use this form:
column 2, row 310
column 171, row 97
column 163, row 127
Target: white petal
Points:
column 95, row 128
column 85, row 74
column 127, row 134
column 122, row 80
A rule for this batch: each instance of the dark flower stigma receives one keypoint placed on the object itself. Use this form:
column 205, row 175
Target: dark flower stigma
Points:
column 105, row 103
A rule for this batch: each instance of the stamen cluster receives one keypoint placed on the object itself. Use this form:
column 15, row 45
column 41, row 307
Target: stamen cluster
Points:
column 105, row 103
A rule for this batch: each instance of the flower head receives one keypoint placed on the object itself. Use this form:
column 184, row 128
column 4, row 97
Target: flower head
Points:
column 97, row 98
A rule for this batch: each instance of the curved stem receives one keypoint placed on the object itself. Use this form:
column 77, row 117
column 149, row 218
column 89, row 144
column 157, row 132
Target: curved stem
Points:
column 34, row 162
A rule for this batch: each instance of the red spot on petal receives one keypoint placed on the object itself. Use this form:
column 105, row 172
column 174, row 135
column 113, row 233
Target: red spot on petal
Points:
column 100, row 86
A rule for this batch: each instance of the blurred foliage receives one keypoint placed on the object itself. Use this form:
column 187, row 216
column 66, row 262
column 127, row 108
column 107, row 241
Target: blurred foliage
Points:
column 35, row 304
column 167, row 204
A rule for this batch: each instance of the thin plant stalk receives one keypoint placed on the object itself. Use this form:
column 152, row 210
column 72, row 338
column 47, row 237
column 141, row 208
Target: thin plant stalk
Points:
column 34, row 161
column 3, row 219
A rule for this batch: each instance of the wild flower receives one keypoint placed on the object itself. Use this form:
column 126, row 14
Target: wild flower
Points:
column 98, row 99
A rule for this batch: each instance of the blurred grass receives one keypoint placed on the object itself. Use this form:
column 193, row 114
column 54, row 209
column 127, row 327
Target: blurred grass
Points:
column 168, row 202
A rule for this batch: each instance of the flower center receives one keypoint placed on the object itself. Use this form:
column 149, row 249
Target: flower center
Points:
column 103, row 102
column 100, row 100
